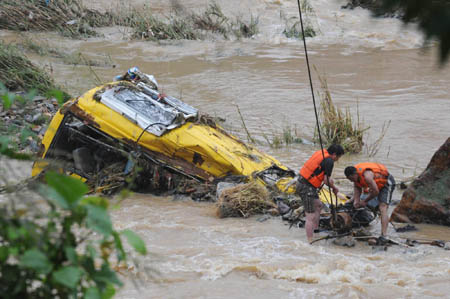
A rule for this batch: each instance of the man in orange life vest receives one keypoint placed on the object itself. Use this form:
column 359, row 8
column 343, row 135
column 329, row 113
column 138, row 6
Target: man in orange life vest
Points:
column 313, row 173
column 378, row 185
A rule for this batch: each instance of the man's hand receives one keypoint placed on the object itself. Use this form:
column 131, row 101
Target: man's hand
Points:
column 360, row 204
column 335, row 190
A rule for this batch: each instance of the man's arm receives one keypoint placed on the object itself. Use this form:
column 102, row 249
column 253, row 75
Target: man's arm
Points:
column 330, row 182
column 327, row 166
column 373, row 188
column 356, row 196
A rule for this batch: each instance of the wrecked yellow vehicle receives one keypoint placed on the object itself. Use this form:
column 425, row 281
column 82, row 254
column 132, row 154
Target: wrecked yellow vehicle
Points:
column 128, row 133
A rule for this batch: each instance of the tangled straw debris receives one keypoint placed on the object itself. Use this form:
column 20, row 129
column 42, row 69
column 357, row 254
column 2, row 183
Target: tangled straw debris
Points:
column 244, row 200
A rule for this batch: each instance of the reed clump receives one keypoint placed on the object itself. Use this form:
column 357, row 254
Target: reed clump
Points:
column 72, row 19
column 244, row 200
column 212, row 19
column 289, row 135
column 293, row 27
column 187, row 25
column 149, row 27
column 337, row 126
column 69, row 17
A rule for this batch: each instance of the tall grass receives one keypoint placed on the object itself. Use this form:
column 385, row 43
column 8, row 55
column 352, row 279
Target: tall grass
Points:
column 337, row 126
column 69, row 17
column 72, row 19
column 187, row 25
column 289, row 135
column 292, row 25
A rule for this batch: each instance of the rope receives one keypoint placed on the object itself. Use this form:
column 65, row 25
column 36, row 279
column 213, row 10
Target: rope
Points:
column 314, row 103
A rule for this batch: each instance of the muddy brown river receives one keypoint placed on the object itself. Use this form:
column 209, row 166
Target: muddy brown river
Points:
column 375, row 67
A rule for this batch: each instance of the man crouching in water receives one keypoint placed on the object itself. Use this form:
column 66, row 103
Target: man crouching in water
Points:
column 380, row 184
column 314, row 172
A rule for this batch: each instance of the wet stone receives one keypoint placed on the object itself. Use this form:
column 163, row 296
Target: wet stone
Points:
column 347, row 241
column 39, row 99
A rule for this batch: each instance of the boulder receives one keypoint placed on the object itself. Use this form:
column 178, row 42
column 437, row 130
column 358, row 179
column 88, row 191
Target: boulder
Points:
column 427, row 198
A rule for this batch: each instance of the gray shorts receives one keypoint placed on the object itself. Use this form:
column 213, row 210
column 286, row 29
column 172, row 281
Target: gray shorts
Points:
column 308, row 194
column 385, row 194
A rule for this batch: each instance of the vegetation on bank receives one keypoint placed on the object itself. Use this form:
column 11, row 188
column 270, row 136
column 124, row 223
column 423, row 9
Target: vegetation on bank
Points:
column 18, row 73
column 23, row 89
column 55, row 242
column 71, row 18
column 62, row 246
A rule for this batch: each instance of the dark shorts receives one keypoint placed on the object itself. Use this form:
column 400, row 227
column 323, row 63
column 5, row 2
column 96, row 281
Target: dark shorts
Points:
column 385, row 194
column 308, row 194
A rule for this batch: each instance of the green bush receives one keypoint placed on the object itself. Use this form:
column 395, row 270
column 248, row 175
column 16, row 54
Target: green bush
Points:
column 51, row 251
column 62, row 246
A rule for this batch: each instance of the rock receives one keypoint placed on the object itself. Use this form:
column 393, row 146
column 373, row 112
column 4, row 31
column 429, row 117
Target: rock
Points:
column 447, row 246
column 273, row 212
column 282, row 207
column 345, row 241
column 427, row 198
column 39, row 99
column 263, row 218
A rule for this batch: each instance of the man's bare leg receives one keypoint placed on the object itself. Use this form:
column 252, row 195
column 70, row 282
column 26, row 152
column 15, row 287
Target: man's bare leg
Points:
column 317, row 208
column 309, row 226
column 384, row 218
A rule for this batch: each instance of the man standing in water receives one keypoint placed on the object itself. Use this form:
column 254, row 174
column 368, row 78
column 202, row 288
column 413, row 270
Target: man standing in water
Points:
column 313, row 174
column 378, row 186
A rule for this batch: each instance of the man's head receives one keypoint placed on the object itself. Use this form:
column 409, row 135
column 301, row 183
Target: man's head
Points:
column 336, row 151
column 351, row 174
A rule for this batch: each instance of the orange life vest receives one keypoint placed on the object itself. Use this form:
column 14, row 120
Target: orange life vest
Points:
column 380, row 174
column 311, row 166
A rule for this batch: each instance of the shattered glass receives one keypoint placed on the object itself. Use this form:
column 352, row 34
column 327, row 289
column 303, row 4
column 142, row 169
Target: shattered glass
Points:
column 146, row 109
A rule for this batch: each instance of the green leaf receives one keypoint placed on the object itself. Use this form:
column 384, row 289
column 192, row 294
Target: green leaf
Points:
column 108, row 292
column 36, row 260
column 71, row 254
column 98, row 220
column 57, row 94
column 92, row 293
column 121, row 254
column 54, row 196
column 70, row 189
column 106, row 275
column 3, row 88
column 135, row 241
column 4, row 253
column 68, row 276
column 12, row 233
column 91, row 251
column 26, row 132
column 95, row 201
column 7, row 100
column 30, row 95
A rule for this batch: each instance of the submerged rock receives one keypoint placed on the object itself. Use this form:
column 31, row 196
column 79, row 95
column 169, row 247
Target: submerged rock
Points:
column 427, row 199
